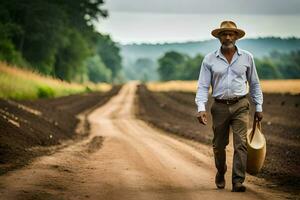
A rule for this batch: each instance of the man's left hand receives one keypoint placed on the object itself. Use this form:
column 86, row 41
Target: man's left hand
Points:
column 258, row 116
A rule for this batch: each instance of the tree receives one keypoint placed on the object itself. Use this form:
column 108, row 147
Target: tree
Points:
column 55, row 36
column 169, row 65
column 176, row 66
column 279, row 65
column 191, row 68
column 8, row 51
column 70, row 58
column 266, row 69
column 110, row 54
column 289, row 64
column 97, row 71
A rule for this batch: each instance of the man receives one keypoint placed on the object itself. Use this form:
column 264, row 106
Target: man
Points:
column 228, row 70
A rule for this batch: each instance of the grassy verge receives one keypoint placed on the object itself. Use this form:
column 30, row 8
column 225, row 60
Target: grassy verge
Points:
column 20, row 84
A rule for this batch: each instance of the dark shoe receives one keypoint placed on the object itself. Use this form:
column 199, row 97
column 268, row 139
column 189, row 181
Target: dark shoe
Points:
column 220, row 180
column 238, row 187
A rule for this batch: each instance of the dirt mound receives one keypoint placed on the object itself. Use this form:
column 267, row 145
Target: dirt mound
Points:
column 175, row 112
column 27, row 126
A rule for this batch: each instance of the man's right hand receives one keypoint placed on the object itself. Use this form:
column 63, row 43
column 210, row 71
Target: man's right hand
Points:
column 202, row 117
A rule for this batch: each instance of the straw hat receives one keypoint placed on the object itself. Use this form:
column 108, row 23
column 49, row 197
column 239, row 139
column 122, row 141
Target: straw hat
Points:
column 228, row 26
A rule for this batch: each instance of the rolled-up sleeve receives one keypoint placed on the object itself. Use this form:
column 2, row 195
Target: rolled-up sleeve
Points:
column 204, row 82
column 254, row 86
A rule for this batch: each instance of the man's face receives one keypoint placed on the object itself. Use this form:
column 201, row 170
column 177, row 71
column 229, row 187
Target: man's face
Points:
column 227, row 39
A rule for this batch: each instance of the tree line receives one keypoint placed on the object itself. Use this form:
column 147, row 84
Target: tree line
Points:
column 58, row 38
column 178, row 66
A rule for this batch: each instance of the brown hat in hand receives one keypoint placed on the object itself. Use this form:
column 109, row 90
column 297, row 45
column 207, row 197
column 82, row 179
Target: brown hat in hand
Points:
column 228, row 26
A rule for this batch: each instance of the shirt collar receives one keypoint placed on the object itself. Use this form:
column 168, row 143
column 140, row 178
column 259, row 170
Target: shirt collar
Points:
column 218, row 52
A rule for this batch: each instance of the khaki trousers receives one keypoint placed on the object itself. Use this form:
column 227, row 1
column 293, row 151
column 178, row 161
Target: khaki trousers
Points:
column 235, row 116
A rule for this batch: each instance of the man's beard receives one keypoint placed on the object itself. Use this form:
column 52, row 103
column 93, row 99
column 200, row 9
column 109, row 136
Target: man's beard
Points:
column 228, row 45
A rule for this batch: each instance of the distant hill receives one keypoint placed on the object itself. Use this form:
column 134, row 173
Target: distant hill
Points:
column 259, row 47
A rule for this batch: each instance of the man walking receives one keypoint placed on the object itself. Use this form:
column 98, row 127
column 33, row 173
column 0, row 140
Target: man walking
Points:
column 228, row 70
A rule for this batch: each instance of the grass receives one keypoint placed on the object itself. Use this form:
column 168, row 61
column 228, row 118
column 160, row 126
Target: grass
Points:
column 20, row 84
column 268, row 86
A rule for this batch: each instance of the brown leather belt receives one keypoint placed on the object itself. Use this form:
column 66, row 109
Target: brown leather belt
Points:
column 230, row 101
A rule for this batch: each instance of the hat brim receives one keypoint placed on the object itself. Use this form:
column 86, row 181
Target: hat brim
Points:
column 240, row 32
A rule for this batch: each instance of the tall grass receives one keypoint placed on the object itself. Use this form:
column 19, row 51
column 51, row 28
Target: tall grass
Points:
column 16, row 83
column 268, row 86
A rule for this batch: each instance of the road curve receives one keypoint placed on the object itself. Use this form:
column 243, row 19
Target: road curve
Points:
column 123, row 158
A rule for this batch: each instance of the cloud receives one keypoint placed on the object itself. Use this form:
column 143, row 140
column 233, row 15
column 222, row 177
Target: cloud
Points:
column 206, row 7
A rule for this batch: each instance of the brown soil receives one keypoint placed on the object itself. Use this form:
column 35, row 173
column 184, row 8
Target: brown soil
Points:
column 175, row 112
column 29, row 127
column 124, row 158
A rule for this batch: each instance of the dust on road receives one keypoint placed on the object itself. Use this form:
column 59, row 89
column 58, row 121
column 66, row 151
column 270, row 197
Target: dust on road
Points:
column 123, row 158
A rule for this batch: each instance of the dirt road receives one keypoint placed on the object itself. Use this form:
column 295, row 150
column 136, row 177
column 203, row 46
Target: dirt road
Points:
column 175, row 113
column 123, row 158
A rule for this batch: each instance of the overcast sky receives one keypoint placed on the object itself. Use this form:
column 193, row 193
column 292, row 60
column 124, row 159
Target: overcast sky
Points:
column 188, row 20
column 206, row 7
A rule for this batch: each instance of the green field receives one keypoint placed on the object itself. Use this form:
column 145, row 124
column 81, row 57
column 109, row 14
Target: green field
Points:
column 20, row 84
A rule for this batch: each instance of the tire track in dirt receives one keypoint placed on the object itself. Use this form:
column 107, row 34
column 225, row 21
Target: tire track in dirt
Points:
column 280, row 126
column 123, row 158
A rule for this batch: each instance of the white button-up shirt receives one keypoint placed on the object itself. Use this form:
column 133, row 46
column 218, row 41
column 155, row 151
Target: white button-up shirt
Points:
column 228, row 80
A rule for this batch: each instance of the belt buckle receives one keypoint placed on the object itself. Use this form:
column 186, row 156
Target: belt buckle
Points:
column 232, row 100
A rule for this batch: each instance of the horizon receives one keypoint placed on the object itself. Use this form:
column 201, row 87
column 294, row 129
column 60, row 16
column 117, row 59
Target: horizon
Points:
column 173, row 21
column 205, row 40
